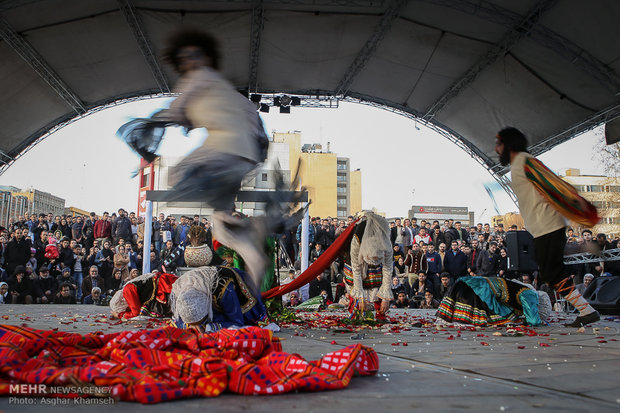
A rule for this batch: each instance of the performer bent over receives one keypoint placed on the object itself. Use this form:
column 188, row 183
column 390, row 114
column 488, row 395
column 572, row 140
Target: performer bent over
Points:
column 368, row 269
column 542, row 201
column 490, row 301
column 213, row 297
column 146, row 295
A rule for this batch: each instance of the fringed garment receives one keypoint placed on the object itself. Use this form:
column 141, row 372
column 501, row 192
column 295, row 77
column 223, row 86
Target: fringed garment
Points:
column 484, row 301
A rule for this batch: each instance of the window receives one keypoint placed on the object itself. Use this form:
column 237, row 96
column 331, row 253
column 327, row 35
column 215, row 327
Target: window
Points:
column 613, row 188
column 598, row 204
column 342, row 213
column 595, row 188
column 342, row 166
column 342, row 190
column 146, row 180
column 263, row 177
column 342, row 201
column 341, row 178
column 580, row 188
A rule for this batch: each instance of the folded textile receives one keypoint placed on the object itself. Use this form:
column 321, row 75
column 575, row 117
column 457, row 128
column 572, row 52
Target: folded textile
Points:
column 150, row 366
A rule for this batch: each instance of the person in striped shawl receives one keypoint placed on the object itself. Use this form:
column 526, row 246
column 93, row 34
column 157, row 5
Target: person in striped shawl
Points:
column 544, row 201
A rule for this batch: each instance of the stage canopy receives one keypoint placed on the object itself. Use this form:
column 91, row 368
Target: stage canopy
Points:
column 464, row 67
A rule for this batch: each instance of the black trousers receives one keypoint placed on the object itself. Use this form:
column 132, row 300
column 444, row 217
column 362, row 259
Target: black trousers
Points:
column 549, row 251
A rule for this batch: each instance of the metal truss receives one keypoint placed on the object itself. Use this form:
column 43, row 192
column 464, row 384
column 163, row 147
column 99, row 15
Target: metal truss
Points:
column 133, row 20
column 384, row 26
column 39, row 65
column 256, row 31
column 584, row 258
column 603, row 116
column 518, row 31
column 596, row 119
column 11, row 4
column 313, row 3
column 540, row 34
column 459, row 140
column 323, row 101
column 70, row 118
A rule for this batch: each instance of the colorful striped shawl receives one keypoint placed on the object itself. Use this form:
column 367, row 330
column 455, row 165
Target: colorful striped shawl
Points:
column 560, row 194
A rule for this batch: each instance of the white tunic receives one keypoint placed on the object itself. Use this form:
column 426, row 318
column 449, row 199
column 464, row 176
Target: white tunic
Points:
column 539, row 216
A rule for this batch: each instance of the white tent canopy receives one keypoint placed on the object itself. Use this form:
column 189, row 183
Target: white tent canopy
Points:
column 464, row 67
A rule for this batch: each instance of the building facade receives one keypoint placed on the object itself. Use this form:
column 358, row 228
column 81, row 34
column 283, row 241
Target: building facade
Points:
column 14, row 203
column 441, row 213
column 604, row 193
column 332, row 187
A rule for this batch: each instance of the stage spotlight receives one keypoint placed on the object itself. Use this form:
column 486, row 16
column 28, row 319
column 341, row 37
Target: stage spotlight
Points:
column 295, row 101
column 285, row 109
column 285, row 100
column 264, row 107
column 255, row 97
column 276, row 101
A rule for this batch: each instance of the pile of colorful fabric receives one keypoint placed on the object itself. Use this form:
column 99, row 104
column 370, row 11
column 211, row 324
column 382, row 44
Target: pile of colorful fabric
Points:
column 150, row 366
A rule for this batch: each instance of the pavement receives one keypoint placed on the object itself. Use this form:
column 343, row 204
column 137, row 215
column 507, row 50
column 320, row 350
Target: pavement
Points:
column 443, row 369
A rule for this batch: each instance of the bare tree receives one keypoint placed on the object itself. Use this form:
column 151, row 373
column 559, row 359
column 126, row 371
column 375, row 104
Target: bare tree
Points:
column 607, row 155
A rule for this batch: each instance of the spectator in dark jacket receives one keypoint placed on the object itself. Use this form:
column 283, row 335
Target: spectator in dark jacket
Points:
column 66, row 294
column 321, row 283
column 437, row 238
column 66, row 277
column 92, row 280
column 66, row 258
column 94, row 297
column 20, row 286
column 17, row 252
column 122, row 226
column 455, row 262
column 489, row 261
column 44, row 286
column 445, row 285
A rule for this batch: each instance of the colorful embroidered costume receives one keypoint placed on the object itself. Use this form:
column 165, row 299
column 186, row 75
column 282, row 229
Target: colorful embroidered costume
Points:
column 485, row 301
column 368, row 268
column 145, row 295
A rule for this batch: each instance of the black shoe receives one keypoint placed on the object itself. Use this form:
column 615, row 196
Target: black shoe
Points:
column 583, row 320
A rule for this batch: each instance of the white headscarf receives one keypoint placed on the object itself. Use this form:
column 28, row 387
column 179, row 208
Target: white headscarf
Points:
column 376, row 240
column 5, row 295
column 544, row 305
column 186, row 290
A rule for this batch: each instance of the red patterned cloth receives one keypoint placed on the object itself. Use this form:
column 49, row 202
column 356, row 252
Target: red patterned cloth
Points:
column 317, row 267
column 150, row 366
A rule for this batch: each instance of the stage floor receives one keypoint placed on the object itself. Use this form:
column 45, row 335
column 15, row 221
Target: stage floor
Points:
column 437, row 369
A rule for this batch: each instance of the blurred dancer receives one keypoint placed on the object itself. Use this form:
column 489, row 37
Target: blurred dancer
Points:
column 544, row 200
column 235, row 145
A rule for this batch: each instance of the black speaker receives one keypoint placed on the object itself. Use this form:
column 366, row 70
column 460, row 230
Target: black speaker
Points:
column 612, row 132
column 604, row 294
column 520, row 251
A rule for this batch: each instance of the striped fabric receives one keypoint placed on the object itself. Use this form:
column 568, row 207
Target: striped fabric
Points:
column 151, row 366
column 459, row 312
column 373, row 280
column 560, row 194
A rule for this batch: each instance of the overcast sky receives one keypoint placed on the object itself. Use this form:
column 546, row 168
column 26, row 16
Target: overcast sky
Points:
column 86, row 164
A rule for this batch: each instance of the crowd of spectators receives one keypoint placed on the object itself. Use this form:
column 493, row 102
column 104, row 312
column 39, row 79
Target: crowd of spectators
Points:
column 71, row 259
column 429, row 257
column 97, row 255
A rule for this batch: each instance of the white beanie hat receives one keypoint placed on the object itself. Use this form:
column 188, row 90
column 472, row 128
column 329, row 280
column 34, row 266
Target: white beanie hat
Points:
column 118, row 303
column 544, row 305
column 192, row 306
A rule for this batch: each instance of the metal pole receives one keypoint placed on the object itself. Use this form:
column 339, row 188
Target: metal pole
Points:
column 148, row 229
column 305, row 222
